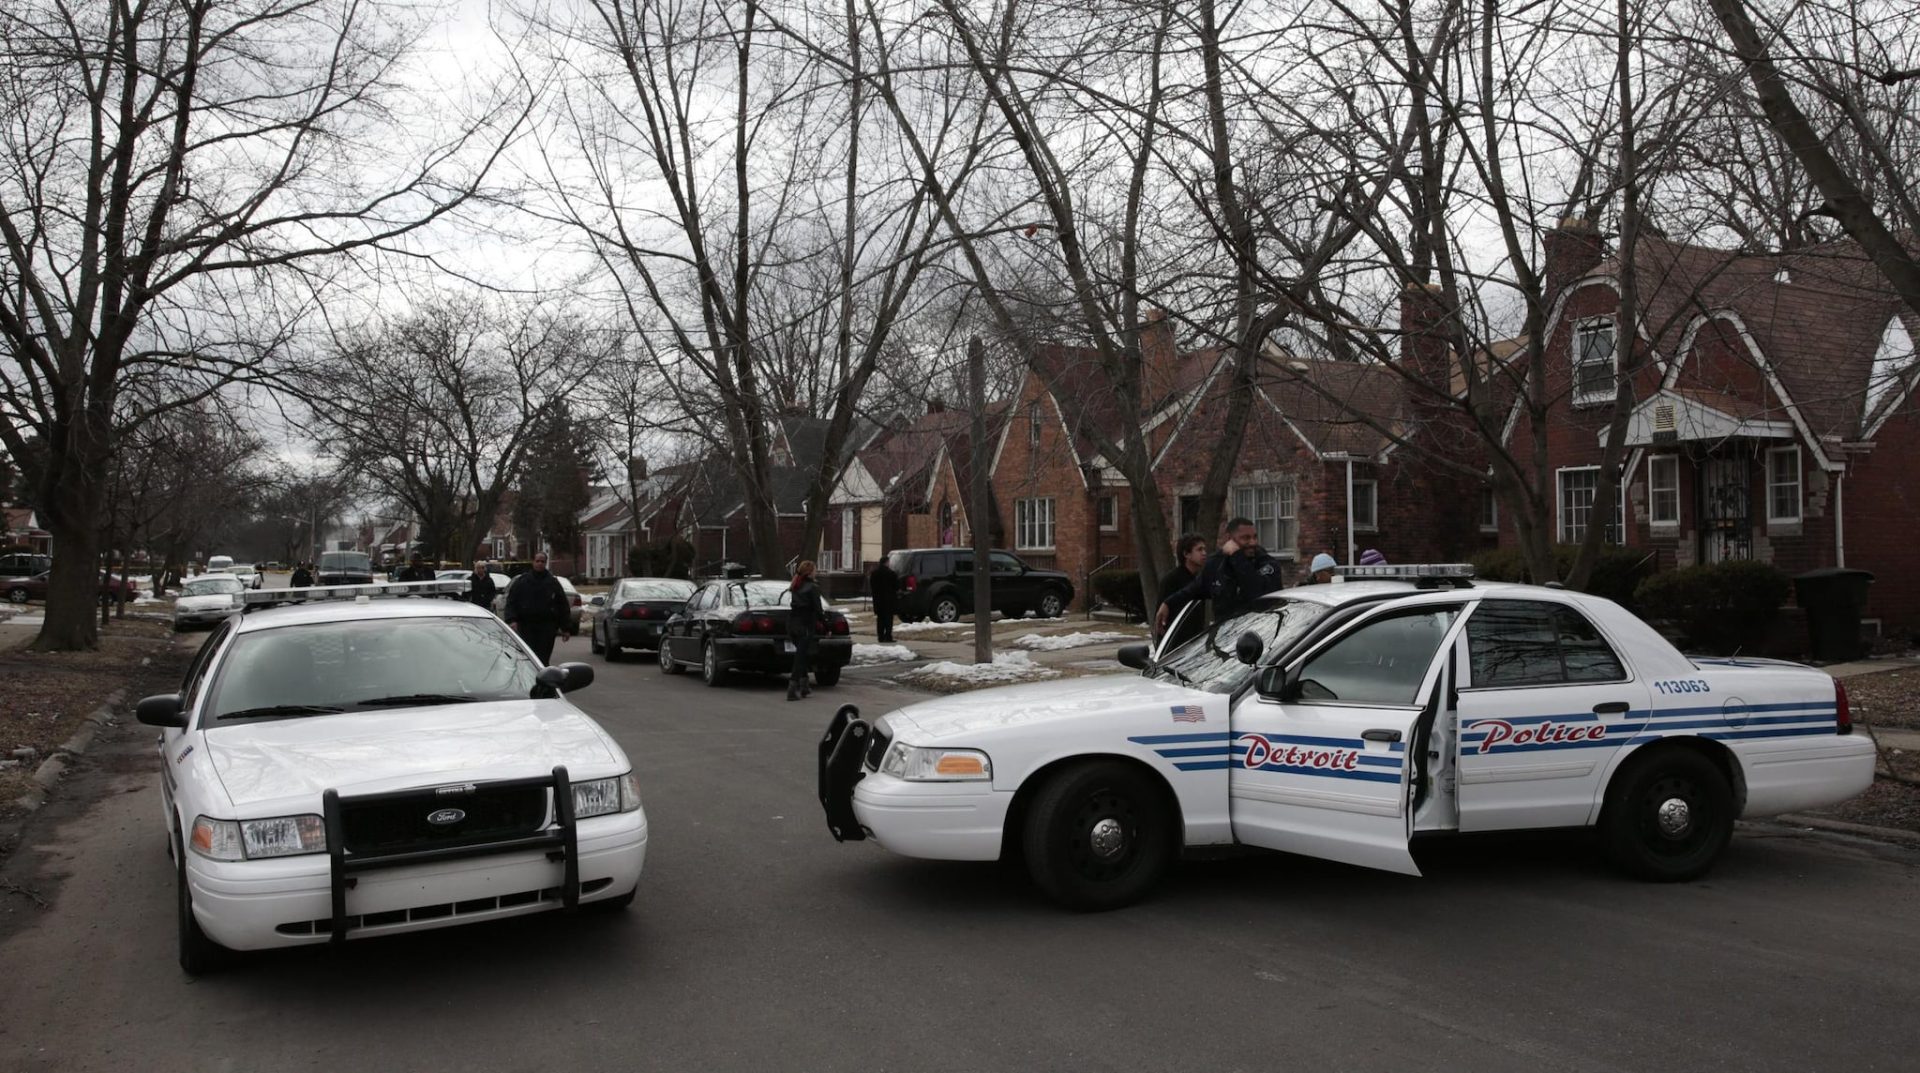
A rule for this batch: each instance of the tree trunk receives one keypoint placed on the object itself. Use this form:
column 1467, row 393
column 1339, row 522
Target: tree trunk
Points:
column 977, row 504
column 72, row 507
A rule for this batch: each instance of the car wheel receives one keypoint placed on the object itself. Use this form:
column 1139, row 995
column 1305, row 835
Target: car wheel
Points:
column 826, row 676
column 1051, row 605
column 1098, row 836
column 945, row 609
column 17, row 596
column 667, row 662
column 614, row 651
column 1668, row 817
column 198, row 954
column 710, row 670
column 593, row 641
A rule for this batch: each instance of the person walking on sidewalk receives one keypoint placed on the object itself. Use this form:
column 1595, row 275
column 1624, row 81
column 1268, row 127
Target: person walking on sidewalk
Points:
column 883, row 584
column 803, row 626
column 537, row 609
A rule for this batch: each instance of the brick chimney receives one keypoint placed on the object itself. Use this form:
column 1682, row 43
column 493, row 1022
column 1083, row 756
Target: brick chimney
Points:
column 1573, row 249
column 636, row 469
column 1424, row 340
column 936, row 406
column 1159, row 360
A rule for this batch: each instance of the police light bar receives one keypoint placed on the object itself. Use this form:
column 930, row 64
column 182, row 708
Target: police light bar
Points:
column 1408, row 572
column 377, row 589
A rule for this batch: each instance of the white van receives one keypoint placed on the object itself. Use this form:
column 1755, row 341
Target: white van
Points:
column 219, row 564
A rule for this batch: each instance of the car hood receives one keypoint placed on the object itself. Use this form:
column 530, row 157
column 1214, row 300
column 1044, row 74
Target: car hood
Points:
column 370, row 752
column 1105, row 697
column 206, row 603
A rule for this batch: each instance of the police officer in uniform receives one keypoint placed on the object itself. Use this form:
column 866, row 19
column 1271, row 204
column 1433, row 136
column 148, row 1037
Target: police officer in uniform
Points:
column 302, row 577
column 415, row 570
column 1232, row 578
column 537, row 609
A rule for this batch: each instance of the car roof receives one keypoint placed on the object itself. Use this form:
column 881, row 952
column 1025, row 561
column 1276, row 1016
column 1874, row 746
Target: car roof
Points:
column 322, row 611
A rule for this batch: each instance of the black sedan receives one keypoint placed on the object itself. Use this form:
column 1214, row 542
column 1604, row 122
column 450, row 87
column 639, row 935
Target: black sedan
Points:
column 637, row 610
column 741, row 625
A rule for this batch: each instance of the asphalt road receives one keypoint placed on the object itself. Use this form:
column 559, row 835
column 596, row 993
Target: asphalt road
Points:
column 759, row 944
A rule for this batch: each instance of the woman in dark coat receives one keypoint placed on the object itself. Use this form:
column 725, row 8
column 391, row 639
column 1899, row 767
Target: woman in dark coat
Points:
column 803, row 628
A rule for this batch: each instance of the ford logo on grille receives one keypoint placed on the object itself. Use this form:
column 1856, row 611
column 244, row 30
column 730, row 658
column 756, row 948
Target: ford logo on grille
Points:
column 446, row 816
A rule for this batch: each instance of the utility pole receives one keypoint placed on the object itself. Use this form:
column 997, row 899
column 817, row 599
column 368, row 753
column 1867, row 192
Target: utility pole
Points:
column 978, row 515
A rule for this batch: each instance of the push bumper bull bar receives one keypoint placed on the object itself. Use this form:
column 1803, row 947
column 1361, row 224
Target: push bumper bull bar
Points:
column 841, row 750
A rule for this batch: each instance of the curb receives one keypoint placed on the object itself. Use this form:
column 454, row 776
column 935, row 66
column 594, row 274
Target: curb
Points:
column 50, row 769
column 1897, row 835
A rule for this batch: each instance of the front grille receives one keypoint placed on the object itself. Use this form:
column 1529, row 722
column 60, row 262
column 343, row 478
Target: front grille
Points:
column 877, row 747
column 398, row 824
column 442, row 909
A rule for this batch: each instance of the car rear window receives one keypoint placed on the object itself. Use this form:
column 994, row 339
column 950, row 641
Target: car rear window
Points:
column 654, row 589
column 345, row 562
column 900, row 562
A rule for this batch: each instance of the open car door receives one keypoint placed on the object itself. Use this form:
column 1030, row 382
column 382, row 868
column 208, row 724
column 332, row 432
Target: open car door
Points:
column 1321, row 759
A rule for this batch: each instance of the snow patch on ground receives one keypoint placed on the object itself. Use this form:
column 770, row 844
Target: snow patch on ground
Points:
column 1006, row 667
column 1040, row 642
column 863, row 653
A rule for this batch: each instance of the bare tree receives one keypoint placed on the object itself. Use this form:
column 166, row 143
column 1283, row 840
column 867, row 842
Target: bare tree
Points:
column 160, row 162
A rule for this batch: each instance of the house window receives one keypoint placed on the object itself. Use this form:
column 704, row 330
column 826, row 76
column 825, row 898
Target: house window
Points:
column 1489, row 511
column 1783, row 484
column 1577, row 490
column 1663, row 490
column 1189, row 514
column 1593, row 361
column 1366, row 505
column 1033, row 423
column 847, row 523
column 1033, row 523
column 1271, row 508
column 1108, row 514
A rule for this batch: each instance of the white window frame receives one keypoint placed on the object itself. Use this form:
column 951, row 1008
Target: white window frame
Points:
column 847, row 523
column 1797, row 484
column 1106, row 510
column 1655, row 464
column 1563, row 530
column 1583, row 331
column 1370, row 523
column 1033, row 524
column 1277, row 519
column 1489, row 510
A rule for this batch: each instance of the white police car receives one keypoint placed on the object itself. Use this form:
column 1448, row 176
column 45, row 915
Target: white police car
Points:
column 353, row 764
column 1339, row 721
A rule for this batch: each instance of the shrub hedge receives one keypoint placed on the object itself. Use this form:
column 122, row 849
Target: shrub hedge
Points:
column 1723, row 607
column 1121, row 589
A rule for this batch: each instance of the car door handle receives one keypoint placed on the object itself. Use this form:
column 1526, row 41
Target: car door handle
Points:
column 1380, row 735
column 1612, row 707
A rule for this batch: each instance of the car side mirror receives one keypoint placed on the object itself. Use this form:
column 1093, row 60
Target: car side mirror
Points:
column 1279, row 683
column 564, row 678
column 1134, row 656
column 1247, row 648
column 161, row 710
column 596, row 601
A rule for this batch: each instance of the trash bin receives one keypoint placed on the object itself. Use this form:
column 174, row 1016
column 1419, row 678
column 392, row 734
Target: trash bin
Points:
column 1834, row 599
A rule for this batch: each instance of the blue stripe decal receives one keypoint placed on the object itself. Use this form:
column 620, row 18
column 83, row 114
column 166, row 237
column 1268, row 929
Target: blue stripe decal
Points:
column 1165, row 739
column 1363, row 776
column 1800, row 732
column 1505, row 748
column 1808, row 705
column 1826, row 721
column 1209, row 750
column 1204, row 765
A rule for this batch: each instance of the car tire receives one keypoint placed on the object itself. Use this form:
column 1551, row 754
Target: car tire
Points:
column 1052, row 605
column 826, row 676
column 944, row 609
column 711, row 672
column 1099, row 835
column 593, row 641
column 16, row 596
column 1668, row 816
column 198, row 954
column 612, row 647
column 667, row 663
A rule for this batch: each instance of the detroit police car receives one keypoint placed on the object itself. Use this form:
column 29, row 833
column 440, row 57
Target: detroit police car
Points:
column 1341, row 721
column 351, row 764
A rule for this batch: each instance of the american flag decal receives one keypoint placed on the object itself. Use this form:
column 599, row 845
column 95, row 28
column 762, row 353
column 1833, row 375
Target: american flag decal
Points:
column 1188, row 713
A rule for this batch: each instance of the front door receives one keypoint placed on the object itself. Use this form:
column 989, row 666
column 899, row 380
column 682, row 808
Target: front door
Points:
column 1326, row 772
column 1544, row 705
column 1726, row 510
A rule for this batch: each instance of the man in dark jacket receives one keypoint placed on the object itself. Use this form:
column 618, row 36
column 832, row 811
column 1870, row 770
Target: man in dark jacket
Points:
column 537, row 609
column 884, row 584
column 1233, row 577
column 803, row 628
column 302, row 577
column 1190, row 555
column 480, row 587
column 415, row 570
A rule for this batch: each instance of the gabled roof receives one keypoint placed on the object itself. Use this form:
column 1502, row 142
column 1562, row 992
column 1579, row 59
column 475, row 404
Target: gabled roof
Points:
column 1082, row 387
column 1334, row 406
column 901, row 461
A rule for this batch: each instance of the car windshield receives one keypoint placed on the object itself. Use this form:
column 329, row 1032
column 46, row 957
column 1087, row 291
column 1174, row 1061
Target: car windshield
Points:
column 762, row 593
column 653, row 589
column 371, row 664
column 345, row 562
column 212, row 586
column 1208, row 661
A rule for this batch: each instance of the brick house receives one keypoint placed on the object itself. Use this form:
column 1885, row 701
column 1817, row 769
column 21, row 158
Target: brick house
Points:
column 907, row 487
column 1774, row 420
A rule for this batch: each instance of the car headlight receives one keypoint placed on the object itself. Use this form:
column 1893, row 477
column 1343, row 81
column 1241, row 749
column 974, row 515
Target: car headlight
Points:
column 603, row 796
column 922, row 764
column 280, row 836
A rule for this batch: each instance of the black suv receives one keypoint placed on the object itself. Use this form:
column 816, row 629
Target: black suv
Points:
column 344, row 568
column 937, row 583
